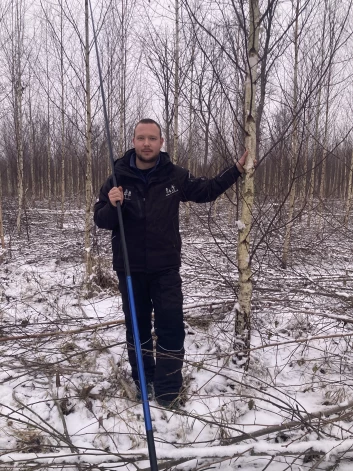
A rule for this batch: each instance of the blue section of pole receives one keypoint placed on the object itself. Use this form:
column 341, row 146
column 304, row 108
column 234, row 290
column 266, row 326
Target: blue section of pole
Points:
column 141, row 372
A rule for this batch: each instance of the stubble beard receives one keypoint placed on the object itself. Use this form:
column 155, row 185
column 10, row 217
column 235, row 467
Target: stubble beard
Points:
column 150, row 160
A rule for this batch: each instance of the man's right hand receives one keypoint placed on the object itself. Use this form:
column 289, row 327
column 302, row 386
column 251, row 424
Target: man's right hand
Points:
column 115, row 195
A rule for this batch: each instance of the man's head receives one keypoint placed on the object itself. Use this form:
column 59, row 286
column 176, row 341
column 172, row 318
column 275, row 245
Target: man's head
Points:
column 148, row 142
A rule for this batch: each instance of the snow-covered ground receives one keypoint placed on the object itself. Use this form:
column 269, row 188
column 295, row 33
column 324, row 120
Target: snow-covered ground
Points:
column 67, row 399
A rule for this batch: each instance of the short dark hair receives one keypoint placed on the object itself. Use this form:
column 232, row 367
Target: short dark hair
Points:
column 149, row 121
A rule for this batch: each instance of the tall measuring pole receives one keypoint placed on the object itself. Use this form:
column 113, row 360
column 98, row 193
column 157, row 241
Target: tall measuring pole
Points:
column 141, row 372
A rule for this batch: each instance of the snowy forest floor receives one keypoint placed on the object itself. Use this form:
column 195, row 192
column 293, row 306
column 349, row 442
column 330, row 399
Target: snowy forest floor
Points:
column 67, row 401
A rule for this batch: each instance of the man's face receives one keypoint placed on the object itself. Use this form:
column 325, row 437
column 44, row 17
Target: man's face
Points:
column 147, row 142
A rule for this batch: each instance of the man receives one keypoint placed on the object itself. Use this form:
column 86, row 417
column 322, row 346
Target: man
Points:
column 150, row 188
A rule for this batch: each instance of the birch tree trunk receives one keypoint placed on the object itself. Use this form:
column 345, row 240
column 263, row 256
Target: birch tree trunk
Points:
column 18, row 111
column 234, row 208
column 62, row 120
column 294, row 148
column 88, row 189
column 176, row 84
column 243, row 308
column 49, row 127
column 32, row 145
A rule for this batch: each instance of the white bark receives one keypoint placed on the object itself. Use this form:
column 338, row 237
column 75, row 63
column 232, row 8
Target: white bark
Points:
column 242, row 323
column 63, row 188
column 88, row 189
column 32, row 146
column 49, row 129
column 18, row 111
column 238, row 107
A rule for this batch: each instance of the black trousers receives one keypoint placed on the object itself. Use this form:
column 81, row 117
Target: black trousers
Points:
column 160, row 292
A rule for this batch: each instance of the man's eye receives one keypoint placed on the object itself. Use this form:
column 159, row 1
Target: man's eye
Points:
column 153, row 138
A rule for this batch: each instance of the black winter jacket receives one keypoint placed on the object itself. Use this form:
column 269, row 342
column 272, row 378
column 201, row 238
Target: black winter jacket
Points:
column 151, row 210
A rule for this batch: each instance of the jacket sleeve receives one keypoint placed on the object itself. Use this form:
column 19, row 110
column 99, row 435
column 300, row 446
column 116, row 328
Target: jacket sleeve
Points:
column 204, row 190
column 105, row 214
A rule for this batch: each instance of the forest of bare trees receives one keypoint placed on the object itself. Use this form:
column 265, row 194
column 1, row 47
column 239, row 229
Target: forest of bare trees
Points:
column 196, row 79
column 271, row 77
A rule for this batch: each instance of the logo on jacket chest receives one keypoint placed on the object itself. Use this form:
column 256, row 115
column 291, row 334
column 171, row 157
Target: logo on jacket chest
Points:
column 171, row 190
column 127, row 195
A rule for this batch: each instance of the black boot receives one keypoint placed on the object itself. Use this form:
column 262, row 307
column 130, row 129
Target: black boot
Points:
column 168, row 379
